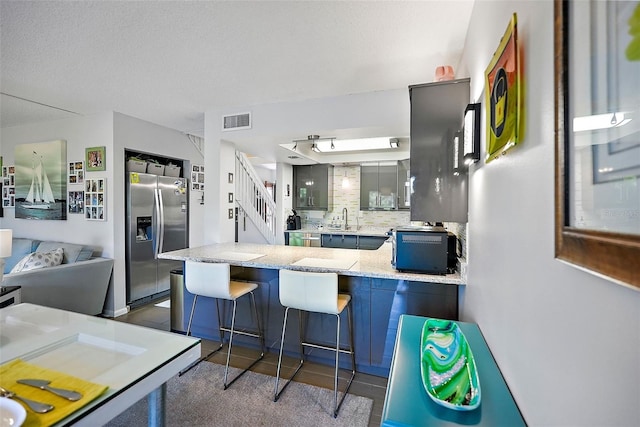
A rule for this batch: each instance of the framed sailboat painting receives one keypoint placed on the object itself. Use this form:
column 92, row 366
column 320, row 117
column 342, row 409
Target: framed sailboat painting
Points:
column 41, row 180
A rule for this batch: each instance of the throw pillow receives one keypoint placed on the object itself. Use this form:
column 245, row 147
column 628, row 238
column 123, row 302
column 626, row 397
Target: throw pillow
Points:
column 36, row 260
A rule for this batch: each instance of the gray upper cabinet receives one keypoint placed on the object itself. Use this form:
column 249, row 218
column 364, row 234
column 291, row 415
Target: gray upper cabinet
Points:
column 313, row 187
column 379, row 186
column 404, row 184
column 385, row 185
column 439, row 190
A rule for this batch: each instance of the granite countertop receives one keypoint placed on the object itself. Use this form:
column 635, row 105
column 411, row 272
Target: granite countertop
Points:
column 365, row 231
column 346, row 262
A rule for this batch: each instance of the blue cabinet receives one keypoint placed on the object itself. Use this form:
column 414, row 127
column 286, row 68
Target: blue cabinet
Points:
column 352, row 241
column 343, row 241
column 377, row 305
column 371, row 242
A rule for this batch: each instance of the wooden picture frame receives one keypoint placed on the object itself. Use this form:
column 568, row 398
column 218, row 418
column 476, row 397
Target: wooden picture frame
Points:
column 590, row 245
column 95, row 159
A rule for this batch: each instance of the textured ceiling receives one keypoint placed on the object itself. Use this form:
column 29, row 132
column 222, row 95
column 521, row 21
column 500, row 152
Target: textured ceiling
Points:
column 167, row 62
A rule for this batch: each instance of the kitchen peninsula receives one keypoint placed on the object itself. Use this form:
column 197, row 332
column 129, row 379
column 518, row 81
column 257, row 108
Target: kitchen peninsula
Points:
column 380, row 294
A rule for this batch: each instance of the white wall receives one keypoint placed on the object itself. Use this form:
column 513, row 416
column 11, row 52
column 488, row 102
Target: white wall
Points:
column 138, row 135
column 80, row 133
column 567, row 342
column 115, row 132
column 368, row 112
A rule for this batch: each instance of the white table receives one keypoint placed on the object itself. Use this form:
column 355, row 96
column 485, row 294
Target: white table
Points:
column 134, row 361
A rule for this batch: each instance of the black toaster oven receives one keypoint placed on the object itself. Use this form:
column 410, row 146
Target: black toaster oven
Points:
column 421, row 249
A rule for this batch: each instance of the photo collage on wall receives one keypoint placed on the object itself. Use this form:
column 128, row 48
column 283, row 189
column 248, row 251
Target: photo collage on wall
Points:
column 95, row 199
column 76, row 172
column 197, row 177
column 76, row 197
column 8, row 186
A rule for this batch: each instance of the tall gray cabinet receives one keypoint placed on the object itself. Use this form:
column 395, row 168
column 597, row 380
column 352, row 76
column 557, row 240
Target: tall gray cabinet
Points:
column 439, row 188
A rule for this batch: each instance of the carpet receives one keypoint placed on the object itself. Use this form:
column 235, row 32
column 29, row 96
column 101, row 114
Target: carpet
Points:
column 197, row 399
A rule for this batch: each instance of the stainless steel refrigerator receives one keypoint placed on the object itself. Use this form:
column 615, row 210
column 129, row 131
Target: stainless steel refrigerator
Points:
column 157, row 221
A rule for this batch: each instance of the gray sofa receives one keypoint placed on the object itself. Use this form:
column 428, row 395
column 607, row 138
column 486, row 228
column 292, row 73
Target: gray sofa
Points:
column 79, row 284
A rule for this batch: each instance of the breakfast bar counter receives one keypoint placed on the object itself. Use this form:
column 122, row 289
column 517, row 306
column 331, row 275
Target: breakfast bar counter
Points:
column 379, row 296
column 346, row 262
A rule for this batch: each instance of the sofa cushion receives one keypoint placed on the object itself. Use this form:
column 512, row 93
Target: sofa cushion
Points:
column 36, row 260
column 20, row 248
column 71, row 250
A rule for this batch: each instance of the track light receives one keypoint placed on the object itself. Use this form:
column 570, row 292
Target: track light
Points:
column 333, row 145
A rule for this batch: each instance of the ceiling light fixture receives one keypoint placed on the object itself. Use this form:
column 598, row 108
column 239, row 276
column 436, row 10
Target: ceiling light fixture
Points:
column 333, row 145
column 362, row 144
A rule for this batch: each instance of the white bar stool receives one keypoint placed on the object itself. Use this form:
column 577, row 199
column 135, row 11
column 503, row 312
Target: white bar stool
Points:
column 213, row 280
column 317, row 293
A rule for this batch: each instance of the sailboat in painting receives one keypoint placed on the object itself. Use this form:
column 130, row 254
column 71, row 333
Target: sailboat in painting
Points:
column 40, row 195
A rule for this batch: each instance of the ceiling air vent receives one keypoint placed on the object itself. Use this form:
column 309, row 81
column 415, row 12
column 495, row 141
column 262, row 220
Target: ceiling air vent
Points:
column 236, row 122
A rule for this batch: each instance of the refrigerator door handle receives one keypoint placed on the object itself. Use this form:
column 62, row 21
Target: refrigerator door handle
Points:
column 156, row 220
column 160, row 248
column 156, row 223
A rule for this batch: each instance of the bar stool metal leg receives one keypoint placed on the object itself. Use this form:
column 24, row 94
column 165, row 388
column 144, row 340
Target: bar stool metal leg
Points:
column 315, row 293
column 193, row 365
column 277, row 394
column 337, row 405
column 335, row 376
column 259, row 334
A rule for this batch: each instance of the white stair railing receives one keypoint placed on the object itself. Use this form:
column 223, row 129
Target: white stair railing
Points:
column 254, row 199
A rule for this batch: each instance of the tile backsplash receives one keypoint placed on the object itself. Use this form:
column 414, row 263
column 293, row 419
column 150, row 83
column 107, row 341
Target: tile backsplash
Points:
column 346, row 194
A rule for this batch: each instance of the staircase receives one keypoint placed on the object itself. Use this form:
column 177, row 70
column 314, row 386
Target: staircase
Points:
column 254, row 199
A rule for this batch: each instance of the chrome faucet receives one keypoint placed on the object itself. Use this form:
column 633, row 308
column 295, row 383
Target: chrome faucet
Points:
column 345, row 217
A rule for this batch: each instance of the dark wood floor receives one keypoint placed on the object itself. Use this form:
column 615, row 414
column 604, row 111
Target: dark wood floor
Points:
column 312, row 373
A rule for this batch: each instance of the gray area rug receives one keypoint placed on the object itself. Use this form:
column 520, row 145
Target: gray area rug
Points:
column 197, row 399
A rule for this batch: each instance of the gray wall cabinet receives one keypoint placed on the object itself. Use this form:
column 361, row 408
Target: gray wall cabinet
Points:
column 439, row 191
column 404, row 184
column 313, row 186
column 382, row 185
column 379, row 186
